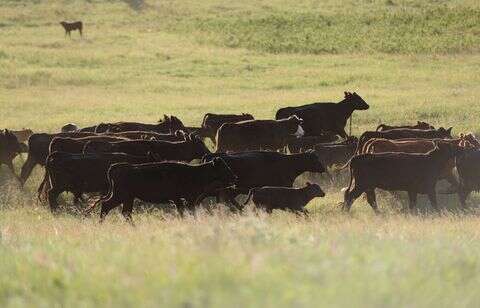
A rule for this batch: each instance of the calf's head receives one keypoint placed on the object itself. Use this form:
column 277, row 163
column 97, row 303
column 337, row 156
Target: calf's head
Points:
column 310, row 162
column 314, row 190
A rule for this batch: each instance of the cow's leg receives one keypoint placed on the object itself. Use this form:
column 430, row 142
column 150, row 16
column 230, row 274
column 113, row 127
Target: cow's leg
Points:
column 127, row 210
column 43, row 188
column 412, row 200
column 372, row 200
column 107, row 206
column 52, row 196
column 432, row 196
column 463, row 195
column 80, row 30
column 180, row 204
column 350, row 197
column 26, row 170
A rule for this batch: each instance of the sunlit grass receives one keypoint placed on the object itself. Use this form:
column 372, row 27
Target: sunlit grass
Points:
column 410, row 60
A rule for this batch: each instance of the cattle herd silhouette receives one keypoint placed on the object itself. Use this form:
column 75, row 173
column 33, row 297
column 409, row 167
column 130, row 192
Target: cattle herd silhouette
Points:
column 112, row 164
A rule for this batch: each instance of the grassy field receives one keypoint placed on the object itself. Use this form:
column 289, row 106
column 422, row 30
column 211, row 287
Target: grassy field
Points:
column 409, row 59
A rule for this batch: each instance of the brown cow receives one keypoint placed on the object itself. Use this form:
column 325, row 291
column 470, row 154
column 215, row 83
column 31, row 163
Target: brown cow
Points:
column 419, row 125
column 72, row 26
column 401, row 133
column 257, row 134
column 212, row 122
column 284, row 198
column 414, row 173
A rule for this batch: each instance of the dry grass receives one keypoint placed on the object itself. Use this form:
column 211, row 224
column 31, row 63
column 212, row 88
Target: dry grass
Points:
column 140, row 60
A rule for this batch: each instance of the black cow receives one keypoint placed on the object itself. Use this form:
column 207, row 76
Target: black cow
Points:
column 9, row 148
column 72, row 26
column 413, row 173
column 284, row 198
column 168, row 125
column 325, row 117
column 186, row 150
column 262, row 168
column 212, row 122
column 468, row 167
column 38, row 150
column 82, row 173
column 164, row 182
column 75, row 145
column 257, row 134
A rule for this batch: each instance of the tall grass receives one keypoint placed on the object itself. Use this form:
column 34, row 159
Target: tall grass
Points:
column 410, row 60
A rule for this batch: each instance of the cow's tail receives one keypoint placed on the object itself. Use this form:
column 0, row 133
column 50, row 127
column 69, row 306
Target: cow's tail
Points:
column 249, row 197
column 115, row 171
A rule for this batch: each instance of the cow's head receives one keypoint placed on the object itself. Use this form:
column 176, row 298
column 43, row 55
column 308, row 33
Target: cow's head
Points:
column 312, row 163
column 315, row 190
column 10, row 144
column 445, row 133
column 295, row 126
column 356, row 101
column 199, row 147
column 223, row 173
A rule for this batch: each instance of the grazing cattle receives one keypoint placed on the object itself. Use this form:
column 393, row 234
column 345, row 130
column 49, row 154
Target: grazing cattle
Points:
column 257, row 134
column 325, row 117
column 262, row 168
column 72, row 26
column 170, row 124
column 186, row 150
column 468, row 167
column 75, row 145
column 419, row 125
column 284, row 198
column 81, row 173
column 22, row 135
column 70, row 128
column 164, row 182
column 336, row 154
column 413, row 173
column 302, row 144
column 399, row 133
column 38, row 150
column 179, row 135
column 9, row 148
column 212, row 122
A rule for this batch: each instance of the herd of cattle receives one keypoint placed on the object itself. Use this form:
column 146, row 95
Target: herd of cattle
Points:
column 124, row 161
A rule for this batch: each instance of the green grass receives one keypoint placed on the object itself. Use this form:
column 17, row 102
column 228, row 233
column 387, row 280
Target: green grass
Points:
column 410, row 60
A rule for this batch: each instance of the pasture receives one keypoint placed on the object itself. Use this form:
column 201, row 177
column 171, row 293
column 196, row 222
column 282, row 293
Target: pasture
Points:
column 409, row 59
